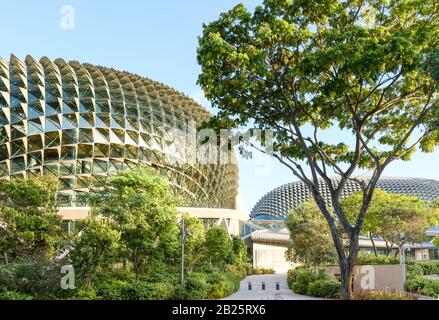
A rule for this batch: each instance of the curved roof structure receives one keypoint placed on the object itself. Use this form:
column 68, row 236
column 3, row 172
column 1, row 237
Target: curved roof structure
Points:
column 81, row 123
column 276, row 203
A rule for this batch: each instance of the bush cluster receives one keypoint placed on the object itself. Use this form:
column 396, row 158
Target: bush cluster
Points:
column 313, row 283
column 428, row 266
column 257, row 271
column 417, row 283
column 382, row 295
column 371, row 259
column 421, row 285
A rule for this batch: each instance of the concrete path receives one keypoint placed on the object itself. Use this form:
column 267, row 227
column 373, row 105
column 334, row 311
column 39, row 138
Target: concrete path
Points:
column 270, row 292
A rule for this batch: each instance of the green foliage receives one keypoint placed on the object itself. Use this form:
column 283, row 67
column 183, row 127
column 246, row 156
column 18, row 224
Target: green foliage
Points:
column 428, row 266
column 325, row 64
column 13, row 295
column 112, row 289
column 255, row 271
column 28, row 215
column 140, row 290
column 302, row 278
column 436, row 241
column 34, row 277
column 329, row 289
column 292, row 277
column 311, row 241
column 313, row 283
column 127, row 250
column 301, row 68
column 195, row 242
column 416, row 283
column 86, row 295
column 413, row 270
column 239, row 251
column 96, row 247
column 370, row 259
column 143, row 209
column 217, row 246
column 397, row 218
column 222, row 285
column 382, row 295
column 195, row 288
column 431, row 289
column 421, row 285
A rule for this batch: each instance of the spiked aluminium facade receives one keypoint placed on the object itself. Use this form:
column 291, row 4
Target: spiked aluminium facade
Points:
column 276, row 204
column 81, row 123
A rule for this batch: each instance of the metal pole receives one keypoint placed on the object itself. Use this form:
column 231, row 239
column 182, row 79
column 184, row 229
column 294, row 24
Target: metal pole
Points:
column 402, row 261
column 182, row 250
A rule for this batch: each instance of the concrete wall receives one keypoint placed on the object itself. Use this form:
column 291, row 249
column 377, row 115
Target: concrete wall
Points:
column 271, row 256
column 375, row 278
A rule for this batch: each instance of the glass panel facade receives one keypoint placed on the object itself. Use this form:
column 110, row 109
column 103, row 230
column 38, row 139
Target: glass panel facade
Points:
column 81, row 123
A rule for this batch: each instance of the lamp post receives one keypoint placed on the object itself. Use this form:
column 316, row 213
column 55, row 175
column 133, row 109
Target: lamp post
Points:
column 402, row 260
column 184, row 232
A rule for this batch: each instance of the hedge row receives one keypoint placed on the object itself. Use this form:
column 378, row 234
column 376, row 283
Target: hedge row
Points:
column 371, row 259
column 421, row 285
column 313, row 283
column 428, row 266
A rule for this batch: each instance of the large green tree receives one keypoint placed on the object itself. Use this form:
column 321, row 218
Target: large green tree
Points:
column 397, row 218
column 381, row 204
column 96, row 246
column 300, row 67
column 29, row 223
column 218, row 247
column 311, row 242
column 194, row 242
column 144, row 211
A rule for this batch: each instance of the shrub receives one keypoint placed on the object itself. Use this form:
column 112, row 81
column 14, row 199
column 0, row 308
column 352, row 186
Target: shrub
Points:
column 86, row 295
column 140, row 290
column 195, row 288
column 255, row 271
column 13, row 295
column 414, row 270
column 431, row 289
column 382, row 295
column 305, row 277
column 34, row 277
column 371, row 259
column 240, row 270
column 112, row 289
column 416, row 284
column 428, row 267
column 329, row 289
column 291, row 277
column 115, row 274
column 222, row 284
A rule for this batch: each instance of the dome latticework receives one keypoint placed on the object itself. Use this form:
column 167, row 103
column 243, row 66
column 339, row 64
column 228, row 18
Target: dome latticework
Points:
column 82, row 123
column 276, row 204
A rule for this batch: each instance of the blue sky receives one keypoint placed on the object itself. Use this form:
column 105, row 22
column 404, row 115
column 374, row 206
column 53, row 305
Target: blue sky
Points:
column 156, row 39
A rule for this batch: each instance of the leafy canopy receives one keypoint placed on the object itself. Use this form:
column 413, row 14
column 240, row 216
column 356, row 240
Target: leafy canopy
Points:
column 28, row 216
column 144, row 211
column 311, row 241
column 364, row 66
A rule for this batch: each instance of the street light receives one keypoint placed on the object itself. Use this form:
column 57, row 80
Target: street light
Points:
column 402, row 259
column 184, row 233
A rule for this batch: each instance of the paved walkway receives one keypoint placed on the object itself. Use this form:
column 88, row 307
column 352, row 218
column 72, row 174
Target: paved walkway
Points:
column 270, row 292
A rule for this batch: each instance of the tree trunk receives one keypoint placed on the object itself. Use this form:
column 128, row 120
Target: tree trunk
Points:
column 373, row 244
column 346, row 273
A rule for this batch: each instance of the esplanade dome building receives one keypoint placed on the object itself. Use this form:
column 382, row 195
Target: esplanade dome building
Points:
column 83, row 123
column 276, row 204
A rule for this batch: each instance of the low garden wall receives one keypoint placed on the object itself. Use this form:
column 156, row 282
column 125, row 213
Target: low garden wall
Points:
column 389, row 278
